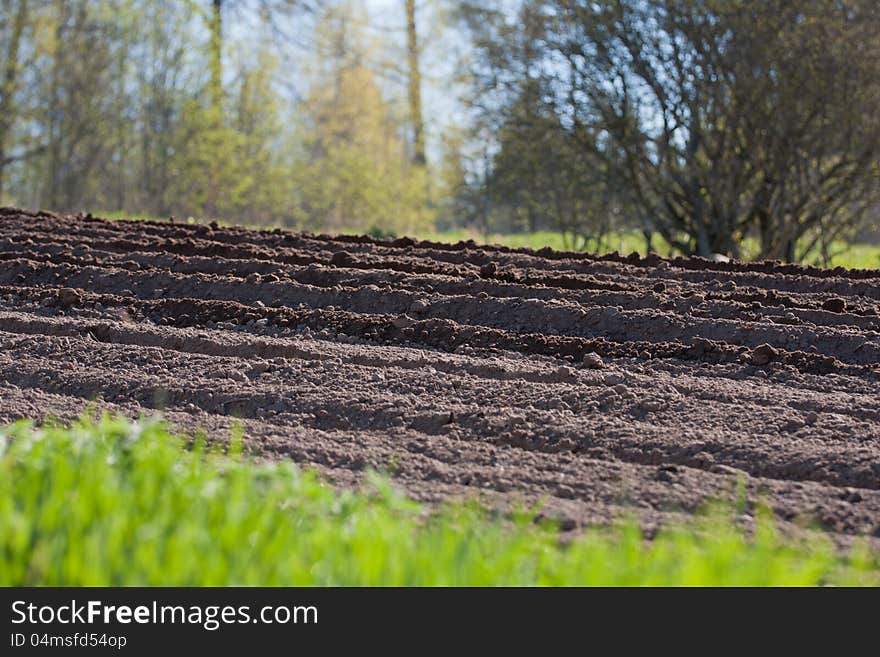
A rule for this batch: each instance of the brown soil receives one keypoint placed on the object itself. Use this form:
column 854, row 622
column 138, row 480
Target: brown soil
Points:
column 600, row 385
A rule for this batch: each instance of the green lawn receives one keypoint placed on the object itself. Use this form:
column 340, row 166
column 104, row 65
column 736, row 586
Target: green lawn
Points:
column 119, row 503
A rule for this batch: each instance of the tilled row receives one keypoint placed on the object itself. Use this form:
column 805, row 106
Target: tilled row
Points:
column 321, row 405
column 715, row 300
column 576, row 489
column 443, row 334
column 628, row 416
column 511, row 314
column 430, row 257
column 279, row 238
column 600, row 385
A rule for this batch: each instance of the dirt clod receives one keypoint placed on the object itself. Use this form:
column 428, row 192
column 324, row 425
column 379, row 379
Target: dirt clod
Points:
column 68, row 296
column 342, row 259
column 419, row 306
column 763, row 354
column 613, row 379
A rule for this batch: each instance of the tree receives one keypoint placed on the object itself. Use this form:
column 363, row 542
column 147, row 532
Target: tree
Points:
column 722, row 117
column 163, row 80
column 78, row 121
column 13, row 34
column 414, row 85
column 542, row 178
column 352, row 167
column 263, row 190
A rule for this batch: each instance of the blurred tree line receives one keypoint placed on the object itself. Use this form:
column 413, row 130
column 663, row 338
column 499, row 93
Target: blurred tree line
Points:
column 702, row 122
column 184, row 107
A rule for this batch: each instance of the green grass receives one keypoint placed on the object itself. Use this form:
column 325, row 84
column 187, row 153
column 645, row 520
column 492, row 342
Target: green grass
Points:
column 111, row 502
column 853, row 256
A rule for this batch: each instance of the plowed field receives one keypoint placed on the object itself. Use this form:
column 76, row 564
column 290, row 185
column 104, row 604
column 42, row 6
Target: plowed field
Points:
column 600, row 385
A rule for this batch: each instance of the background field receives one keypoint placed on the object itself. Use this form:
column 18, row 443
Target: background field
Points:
column 600, row 390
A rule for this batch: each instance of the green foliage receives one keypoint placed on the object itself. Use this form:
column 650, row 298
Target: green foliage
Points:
column 227, row 164
column 161, row 107
column 755, row 135
column 351, row 167
column 716, row 119
column 115, row 502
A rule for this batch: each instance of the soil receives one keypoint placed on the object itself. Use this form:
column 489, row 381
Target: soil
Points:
column 598, row 386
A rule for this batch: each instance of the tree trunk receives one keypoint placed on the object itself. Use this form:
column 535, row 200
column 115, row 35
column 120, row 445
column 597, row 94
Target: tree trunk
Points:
column 789, row 254
column 56, row 130
column 215, row 112
column 216, row 47
column 703, row 248
column 415, row 85
column 10, row 77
